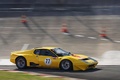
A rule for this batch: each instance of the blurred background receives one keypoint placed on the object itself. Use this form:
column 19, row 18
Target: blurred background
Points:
column 37, row 23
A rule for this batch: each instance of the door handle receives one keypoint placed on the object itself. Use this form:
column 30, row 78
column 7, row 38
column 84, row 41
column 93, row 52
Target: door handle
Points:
column 36, row 56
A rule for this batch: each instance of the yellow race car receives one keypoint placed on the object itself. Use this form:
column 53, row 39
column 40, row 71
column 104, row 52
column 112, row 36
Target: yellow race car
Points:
column 52, row 57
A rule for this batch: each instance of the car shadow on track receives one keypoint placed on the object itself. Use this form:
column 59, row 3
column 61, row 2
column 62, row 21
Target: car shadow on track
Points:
column 46, row 70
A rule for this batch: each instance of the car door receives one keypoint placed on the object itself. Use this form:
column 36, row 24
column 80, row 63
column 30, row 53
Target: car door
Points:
column 47, row 59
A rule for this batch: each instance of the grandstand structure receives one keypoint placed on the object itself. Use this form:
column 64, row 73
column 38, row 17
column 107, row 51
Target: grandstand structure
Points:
column 94, row 7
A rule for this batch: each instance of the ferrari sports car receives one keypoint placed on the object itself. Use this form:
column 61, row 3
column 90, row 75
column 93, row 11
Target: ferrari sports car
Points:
column 52, row 57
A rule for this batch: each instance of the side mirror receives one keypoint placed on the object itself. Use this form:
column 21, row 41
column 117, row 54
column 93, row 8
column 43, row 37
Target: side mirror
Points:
column 69, row 52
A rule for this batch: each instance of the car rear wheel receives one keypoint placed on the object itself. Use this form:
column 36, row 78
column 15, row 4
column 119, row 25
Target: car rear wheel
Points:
column 66, row 65
column 21, row 62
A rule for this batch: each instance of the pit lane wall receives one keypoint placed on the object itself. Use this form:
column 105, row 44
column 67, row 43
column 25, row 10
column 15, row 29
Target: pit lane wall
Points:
column 90, row 2
column 31, row 7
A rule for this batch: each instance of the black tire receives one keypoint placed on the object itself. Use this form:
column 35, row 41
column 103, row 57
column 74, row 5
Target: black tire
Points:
column 66, row 65
column 21, row 63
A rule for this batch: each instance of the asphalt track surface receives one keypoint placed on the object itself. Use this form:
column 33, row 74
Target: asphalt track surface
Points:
column 102, row 72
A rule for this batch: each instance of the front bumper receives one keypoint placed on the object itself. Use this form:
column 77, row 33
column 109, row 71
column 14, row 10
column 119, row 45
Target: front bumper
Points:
column 84, row 66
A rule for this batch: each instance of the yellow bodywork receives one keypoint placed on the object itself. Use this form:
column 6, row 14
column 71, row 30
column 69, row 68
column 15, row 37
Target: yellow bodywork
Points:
column 77, row 60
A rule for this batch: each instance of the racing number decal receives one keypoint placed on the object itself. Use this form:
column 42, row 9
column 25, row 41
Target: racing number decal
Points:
column 47, row 61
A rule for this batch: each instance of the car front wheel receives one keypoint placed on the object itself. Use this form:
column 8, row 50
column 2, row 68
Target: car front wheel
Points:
column 66, row 65
column 21, row 63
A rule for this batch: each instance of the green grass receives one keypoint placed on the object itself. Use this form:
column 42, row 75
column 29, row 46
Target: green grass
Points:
column 4, row 75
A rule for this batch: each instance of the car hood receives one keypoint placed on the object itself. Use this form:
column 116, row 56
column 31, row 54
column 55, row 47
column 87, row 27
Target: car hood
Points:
column 77, row 56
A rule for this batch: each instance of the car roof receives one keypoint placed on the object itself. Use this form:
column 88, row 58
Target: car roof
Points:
column 46, row 48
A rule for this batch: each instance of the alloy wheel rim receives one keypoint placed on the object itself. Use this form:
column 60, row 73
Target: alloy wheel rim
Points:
column 21, row 63
column 66, row 65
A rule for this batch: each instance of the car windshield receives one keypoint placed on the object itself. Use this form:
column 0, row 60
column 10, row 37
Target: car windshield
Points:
column 61, row 52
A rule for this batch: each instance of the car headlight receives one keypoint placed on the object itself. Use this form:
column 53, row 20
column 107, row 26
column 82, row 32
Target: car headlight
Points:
column 83, row 60
column 92, row 59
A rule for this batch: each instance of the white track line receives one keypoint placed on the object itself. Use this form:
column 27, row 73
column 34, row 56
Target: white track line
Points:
column 5, row 62
column 109, row 58
column 79, row 36
column 92, row 37
column 117, row 41
column 25, row 46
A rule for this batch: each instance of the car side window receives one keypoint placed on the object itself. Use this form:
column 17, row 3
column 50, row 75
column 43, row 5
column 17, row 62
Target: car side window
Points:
column 37, row 52
column 42, row 52
column 47, row 53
